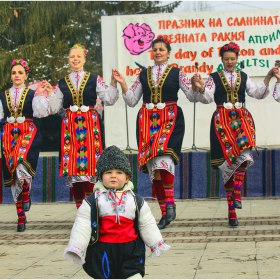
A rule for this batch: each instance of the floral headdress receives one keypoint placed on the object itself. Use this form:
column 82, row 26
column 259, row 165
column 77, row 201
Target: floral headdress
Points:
column 231, row 46
column 83, row 47
column 23, row 63
column 166, row 39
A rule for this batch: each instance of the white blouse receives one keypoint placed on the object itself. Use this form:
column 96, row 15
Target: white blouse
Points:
column 134, row 93
column 108, row 94
column 258, row 91
column 276, row 92
column 40, row 104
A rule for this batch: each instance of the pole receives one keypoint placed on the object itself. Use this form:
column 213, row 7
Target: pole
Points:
column 127, row 138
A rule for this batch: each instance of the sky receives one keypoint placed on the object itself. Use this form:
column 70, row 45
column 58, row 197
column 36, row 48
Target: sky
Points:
column 234, row 5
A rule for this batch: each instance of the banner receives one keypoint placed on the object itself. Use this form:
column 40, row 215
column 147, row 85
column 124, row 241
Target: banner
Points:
column 196, row 37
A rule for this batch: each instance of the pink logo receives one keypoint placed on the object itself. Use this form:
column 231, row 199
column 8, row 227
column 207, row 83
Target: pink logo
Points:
column 138, row 38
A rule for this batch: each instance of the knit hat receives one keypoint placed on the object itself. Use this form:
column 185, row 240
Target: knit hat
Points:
column 112, row 158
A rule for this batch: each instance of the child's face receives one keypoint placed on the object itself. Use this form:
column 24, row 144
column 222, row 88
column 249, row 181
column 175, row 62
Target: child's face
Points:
column 114, row 179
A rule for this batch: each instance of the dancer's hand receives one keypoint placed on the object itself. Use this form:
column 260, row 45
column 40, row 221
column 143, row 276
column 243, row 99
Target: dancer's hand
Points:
column 197, row 82
column 276, row 73
column 118, row 76
column 45, row 86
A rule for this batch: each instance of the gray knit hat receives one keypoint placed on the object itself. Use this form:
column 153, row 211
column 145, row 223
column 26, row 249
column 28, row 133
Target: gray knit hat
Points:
column 112, row 158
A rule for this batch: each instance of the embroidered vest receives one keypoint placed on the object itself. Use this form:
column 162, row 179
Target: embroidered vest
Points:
column 166, row 90
column 86, row 94
column 24, row 106
column 223, row 91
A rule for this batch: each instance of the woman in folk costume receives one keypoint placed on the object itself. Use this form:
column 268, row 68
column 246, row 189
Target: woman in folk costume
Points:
column 81, row 136
column 232, row 132
column 20, row 138
column 160, row 122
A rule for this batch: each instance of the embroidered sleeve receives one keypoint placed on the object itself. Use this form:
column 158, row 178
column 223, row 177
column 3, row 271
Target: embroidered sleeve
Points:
column 74, row 254
column 80, row 235
column 150, row 233
column 209, row 84
column 258, row 91
column 159, row 248
column 40, row 106
column 100, row 83
column 108, row 94
column 276, row 92
column 186, row 86
column 134, row 93
column 56, row 100
column 185, row 83
column 208, row 95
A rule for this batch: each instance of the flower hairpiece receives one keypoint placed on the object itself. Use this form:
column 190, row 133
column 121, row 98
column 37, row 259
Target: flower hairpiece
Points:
column 166, row 39
column 231, row 46
column 23, row 63
column 83, row 47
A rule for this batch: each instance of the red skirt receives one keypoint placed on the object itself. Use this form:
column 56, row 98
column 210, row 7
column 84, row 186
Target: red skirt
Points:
column 81, row 143
column 235, row 131
column 17, row 139
column 155, row 128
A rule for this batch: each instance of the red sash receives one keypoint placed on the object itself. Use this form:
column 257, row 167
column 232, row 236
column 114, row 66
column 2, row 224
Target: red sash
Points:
column 17, row 139
column 235, row 130
column 155, row 129
column 81, row 143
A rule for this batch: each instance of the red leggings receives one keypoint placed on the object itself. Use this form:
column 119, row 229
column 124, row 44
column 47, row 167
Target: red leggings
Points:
column 80, row 191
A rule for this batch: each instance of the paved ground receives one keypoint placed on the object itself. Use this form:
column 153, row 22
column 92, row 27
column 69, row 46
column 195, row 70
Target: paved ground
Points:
column 203, row 245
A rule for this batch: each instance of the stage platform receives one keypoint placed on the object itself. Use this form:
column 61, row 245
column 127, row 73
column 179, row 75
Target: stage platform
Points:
column 194, row 178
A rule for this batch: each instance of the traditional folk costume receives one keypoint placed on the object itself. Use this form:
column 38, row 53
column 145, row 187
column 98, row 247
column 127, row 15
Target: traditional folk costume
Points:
column 232, row 132
column 276, row 92
column 21, row 143
column 81, row 136
column 161, row 127
column 114, row 235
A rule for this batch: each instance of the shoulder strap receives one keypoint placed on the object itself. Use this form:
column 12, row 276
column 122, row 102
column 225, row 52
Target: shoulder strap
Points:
column 94, row 219
column 139, row 201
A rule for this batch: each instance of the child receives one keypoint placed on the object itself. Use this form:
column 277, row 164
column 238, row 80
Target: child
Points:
column 113, row 224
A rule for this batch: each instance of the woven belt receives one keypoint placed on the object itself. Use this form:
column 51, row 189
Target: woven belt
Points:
column 229, row 105
column 159, row 105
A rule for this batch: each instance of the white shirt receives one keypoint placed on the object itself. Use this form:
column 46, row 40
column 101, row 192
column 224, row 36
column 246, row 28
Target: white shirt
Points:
column 276, row 92
column 108, row 94
column 134, row 93
column 258, row 91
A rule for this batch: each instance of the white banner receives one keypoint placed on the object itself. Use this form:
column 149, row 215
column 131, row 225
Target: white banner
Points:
column 196, row 37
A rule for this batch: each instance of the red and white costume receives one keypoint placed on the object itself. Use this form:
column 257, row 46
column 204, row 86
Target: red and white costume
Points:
column 116, row 222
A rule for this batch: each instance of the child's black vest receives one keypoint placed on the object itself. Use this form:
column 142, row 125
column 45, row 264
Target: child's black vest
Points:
column 87, row 266
column 93, row 203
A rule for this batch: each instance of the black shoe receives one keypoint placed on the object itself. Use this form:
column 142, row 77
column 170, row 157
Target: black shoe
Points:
column 162, row 223
column 170, row 213
column 237, row 204
column 21, row 228
column 26, row 205
column 233, row 222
